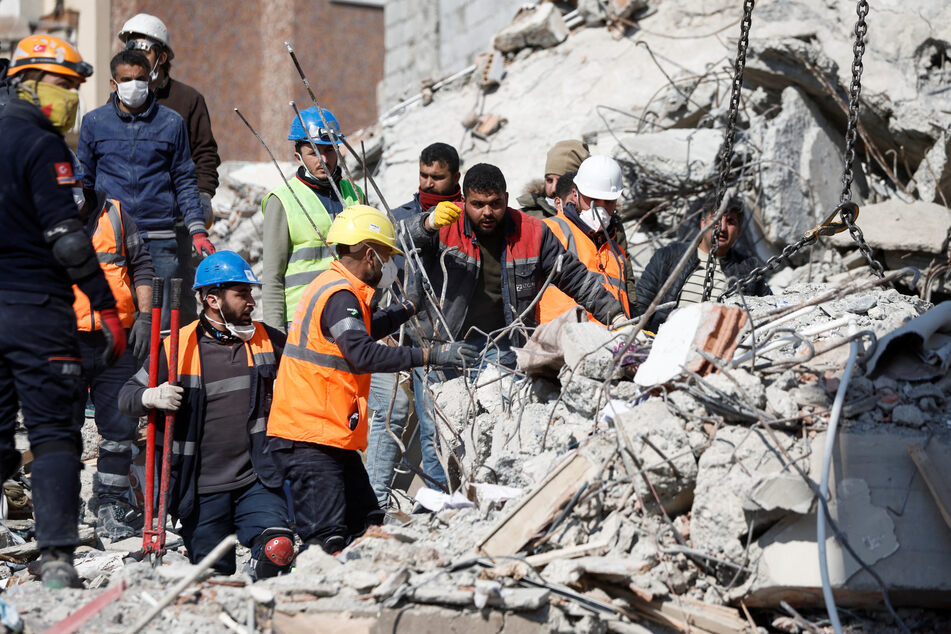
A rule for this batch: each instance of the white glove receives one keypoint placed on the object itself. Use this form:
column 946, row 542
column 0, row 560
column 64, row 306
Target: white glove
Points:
column 165, row 396
column 619, row 320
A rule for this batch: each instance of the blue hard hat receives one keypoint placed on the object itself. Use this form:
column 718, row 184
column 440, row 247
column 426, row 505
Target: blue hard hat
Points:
column 315, row 126
column 224, row 267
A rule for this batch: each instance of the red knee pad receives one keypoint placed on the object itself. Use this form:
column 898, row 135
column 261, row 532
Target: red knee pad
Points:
column 280, row 550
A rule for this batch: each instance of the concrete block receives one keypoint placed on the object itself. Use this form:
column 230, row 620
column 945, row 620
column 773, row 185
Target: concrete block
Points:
column 539, row 27
column 589, row 346
column 897, row 226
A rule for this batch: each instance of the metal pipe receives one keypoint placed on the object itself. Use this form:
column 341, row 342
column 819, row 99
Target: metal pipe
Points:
column 824, row 481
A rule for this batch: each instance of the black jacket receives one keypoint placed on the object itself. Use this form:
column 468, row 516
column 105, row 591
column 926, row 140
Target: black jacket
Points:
column 530, row 254
column 661, row 265
column 36, row 181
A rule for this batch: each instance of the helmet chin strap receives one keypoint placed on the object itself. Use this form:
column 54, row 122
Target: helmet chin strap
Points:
column 232, row 331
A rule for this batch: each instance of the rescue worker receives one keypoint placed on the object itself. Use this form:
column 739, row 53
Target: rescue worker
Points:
column 136, row 151
column 318, row 422
column 564, row 156
column 43, row 249
column 438, row 182
column 500, row 261
column 149, row 35
column 588, row 230
column 223, row 479
column 565, row 191
column 689, row 285
column 128, row 269
column 294, row 253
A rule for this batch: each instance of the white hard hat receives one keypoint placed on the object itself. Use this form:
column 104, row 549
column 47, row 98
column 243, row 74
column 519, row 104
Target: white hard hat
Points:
column 599, row 177
column 149, row 26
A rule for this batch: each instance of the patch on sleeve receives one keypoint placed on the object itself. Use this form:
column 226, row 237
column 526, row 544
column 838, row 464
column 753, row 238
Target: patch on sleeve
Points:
column 64, row 173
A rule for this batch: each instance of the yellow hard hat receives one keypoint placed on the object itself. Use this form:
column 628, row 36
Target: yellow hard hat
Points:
column 362, row 223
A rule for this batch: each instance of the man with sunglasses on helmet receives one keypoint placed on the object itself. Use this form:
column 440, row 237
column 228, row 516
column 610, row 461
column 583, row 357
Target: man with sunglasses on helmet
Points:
column 148, row 35
column 44, row 249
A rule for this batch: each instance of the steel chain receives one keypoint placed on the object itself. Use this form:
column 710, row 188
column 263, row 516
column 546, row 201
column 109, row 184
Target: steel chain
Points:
column 855, row 90
column 769, row 266
column 725, row 156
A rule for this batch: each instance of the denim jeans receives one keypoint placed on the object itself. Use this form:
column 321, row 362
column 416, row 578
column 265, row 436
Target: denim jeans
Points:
column 164, row 254
column 382, row 450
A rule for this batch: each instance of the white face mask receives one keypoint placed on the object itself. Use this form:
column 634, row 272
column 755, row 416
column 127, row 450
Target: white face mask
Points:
column 133, row 93
column 390, row 273
column 596, row 217
column 244, row 333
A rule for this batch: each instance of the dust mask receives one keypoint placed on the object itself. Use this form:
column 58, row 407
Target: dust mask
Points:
column 596, row 217
column 244, row 333
column 133, row 93
column 388, row 273
column 57, row 103
column 300, row 159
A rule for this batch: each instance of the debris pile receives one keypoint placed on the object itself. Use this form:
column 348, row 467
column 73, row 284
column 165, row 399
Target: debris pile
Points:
column 621, row 483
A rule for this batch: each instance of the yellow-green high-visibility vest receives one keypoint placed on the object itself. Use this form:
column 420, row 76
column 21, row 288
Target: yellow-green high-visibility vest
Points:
column 309, row 255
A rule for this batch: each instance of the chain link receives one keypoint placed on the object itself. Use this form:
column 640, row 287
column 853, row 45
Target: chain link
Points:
column 769, row 266
column 725, row 156
column 855, row 89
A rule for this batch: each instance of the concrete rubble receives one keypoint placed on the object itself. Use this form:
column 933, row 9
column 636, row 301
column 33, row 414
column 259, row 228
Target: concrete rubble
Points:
column 604, row 488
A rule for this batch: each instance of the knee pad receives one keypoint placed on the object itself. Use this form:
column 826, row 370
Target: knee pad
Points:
column 276, row 552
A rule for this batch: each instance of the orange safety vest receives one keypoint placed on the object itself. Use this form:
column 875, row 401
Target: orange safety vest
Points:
column 109, row 243
column 605, row 261
column 318, row 396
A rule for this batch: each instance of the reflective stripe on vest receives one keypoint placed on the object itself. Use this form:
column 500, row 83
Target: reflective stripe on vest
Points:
column 309, row 256
column 604, row 261
column 318, row 396
column 109, row 243
column 260, row 354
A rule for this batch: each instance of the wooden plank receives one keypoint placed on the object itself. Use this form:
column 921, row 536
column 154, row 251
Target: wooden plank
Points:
column 937, row 485
column 571, row 552
column 538, row 508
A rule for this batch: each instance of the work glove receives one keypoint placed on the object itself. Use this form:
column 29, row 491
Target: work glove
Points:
column 114, row 333
column 619, row 321
column 140, row 336
column 444, row 214
column 165, row 396
column 458, row 354
column 206, row 208
column 203, row 245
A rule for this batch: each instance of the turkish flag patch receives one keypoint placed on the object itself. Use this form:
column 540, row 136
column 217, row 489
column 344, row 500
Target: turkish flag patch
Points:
column 64, row 173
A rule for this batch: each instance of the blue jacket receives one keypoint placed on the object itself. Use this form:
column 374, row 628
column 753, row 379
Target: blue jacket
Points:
column 143, row 160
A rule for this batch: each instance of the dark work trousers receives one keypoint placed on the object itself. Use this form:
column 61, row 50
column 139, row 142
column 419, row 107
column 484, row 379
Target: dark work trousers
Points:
column 40, row 373
column 246, row 511
column 331, row 491
column 117, row 430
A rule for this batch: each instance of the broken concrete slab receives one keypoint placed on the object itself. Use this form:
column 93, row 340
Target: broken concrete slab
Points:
column 540, row 26
column 899, row 228
column 805, row 172
column 895, row 526
column 783, row 490
column 707, row 327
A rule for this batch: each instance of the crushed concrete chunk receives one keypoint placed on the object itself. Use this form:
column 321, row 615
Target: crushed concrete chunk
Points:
column 540, row 26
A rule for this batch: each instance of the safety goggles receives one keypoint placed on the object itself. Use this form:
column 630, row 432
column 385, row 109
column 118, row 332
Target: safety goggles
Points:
column 321, row 133
column 140, row 45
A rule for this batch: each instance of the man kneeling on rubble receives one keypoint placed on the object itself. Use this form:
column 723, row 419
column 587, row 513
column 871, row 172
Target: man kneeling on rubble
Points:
column 688, row 287
column 319, row 419
column 223, row 480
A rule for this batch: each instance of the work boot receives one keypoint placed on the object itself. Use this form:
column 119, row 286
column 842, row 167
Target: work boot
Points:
column 116, row 520
column 56, row 569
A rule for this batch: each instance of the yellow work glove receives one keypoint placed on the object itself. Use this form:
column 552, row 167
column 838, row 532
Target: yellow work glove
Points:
column 444, row 214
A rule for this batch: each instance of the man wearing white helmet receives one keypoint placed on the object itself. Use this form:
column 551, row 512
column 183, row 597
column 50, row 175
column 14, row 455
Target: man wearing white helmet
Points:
column 149, row 35
column 588, row 229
